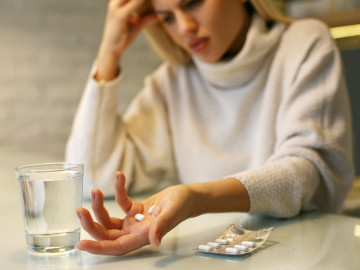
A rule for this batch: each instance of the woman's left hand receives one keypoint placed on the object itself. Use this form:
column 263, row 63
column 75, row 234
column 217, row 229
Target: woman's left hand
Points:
column 117, row 236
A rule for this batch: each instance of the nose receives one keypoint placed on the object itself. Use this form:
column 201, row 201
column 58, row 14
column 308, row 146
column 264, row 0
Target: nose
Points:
column 186, row 23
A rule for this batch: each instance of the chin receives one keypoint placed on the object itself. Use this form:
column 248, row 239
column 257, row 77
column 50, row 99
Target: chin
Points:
column 209, row 59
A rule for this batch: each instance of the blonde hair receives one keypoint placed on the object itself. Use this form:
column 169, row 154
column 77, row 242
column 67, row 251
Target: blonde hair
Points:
column 169, row 51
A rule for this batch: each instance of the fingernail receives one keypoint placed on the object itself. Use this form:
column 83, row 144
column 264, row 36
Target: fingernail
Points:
column 158, row 239
column 78, row 214
column 79, row 246
column 93, row 195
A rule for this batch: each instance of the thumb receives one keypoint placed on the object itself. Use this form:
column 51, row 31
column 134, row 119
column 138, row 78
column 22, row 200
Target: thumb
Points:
column 157, row 230
column 160, row 226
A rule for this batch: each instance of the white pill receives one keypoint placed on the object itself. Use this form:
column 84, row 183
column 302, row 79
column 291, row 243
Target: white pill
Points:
column 241, row 248
column 232, row 250
column 151, row 210
column 248, row 243
column 213, row 244
column 139, row 217
column 222, row 241
column 204, row 248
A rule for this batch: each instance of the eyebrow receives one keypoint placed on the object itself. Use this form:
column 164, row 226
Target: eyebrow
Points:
column 181, row 2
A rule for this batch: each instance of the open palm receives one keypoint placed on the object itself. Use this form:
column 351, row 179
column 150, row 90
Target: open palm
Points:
column 119, row 236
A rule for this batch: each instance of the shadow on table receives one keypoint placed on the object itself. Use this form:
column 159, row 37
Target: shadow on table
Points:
column 143, row 253
column 54, row 262
column 76, row 259
column 172, row 250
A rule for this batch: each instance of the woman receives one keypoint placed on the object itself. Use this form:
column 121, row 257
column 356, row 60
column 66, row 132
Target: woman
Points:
column 244, row 96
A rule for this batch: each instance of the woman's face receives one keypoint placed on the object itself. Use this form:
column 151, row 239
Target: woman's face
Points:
column 209, row 29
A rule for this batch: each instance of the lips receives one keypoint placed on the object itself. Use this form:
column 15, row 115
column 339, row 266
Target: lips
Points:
column 198, row 44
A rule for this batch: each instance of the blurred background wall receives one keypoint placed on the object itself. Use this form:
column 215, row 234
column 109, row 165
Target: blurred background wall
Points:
column 47, row 48
column 46, row 51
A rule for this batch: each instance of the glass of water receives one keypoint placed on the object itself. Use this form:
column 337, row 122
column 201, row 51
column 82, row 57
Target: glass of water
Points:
column 50, row 193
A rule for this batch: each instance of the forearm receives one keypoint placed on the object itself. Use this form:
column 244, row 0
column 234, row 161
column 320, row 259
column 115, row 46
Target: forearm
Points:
column 226, row 195
column 95, row 134
column 96, row 114
column 107, row 66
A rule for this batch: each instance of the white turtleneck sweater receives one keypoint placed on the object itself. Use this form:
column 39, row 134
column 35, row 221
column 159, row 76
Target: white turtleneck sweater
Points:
column 276, row 117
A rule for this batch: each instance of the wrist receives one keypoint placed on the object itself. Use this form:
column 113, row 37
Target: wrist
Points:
column 226, row 195
column 107, row 67
column 197, row 197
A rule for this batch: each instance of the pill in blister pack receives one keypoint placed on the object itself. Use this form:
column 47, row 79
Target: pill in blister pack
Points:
column 232, row 250
column 236, row 240
column 204, row 248
column 222, row 241
column 241, row 247
column 213, row 244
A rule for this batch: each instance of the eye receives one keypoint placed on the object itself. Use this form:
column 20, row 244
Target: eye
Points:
column 166, row 18
column 191, row 4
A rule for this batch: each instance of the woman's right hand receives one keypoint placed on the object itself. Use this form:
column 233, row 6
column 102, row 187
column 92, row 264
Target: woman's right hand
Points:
column 122, row 25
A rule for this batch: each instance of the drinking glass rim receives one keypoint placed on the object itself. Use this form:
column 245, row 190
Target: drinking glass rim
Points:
column 28, row 168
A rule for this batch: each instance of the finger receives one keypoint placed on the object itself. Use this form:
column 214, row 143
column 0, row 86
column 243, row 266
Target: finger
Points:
column 100, row 211
column 132, row 6
column 121, row 194
column 128, row 8
column 94, row 229
column 145, row 21
column 117, row 2
column 101, row 214
column 120, row 246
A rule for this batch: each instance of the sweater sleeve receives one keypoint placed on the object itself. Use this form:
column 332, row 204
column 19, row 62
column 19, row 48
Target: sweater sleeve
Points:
column 311, row 167
column 137, row 143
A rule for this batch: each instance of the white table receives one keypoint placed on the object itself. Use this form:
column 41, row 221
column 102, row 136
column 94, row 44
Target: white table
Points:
column 310, row 241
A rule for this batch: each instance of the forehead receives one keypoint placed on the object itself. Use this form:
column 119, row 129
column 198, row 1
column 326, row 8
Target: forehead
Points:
column 166, row 4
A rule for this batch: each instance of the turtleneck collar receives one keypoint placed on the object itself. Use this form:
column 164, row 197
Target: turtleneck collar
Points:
column 260, row 41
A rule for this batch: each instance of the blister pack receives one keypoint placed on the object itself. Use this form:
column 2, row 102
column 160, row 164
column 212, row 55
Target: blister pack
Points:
column 236, row 240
